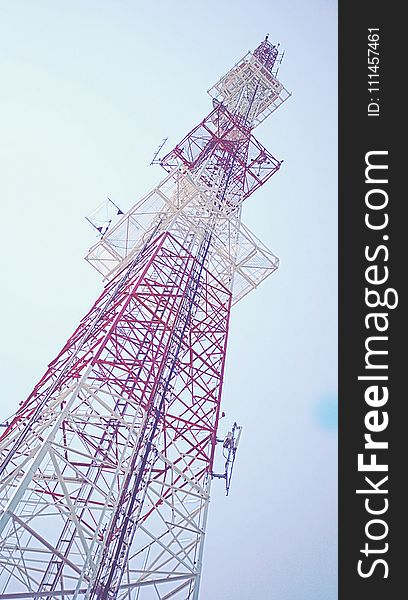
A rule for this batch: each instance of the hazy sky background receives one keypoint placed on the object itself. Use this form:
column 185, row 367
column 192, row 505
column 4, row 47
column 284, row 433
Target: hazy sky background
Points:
column 88, row 89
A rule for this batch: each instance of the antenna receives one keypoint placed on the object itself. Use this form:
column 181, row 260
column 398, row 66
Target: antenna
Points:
column 120, row 212
column 155, row 160
column 229, row 450
column 278, row 62
column 102, row 217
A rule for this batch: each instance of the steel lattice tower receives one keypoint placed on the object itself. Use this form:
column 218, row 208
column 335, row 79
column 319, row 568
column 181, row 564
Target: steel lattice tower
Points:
column 106, row 468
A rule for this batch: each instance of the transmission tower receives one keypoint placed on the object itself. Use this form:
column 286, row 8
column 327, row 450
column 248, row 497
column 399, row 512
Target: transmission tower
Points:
column 106, row 468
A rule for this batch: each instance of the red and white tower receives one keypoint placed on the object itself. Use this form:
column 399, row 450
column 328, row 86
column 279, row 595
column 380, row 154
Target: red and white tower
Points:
column 106, row 468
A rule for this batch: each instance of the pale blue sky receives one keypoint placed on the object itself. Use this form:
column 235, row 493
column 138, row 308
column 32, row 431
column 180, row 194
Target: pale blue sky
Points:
column 88, row 90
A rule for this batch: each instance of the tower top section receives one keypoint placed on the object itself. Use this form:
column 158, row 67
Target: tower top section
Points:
column 211, row 171
column 251, row 90
column 267, row 53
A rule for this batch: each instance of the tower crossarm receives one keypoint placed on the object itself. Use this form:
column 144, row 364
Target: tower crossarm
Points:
column 224, row 159
column 237, row 257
